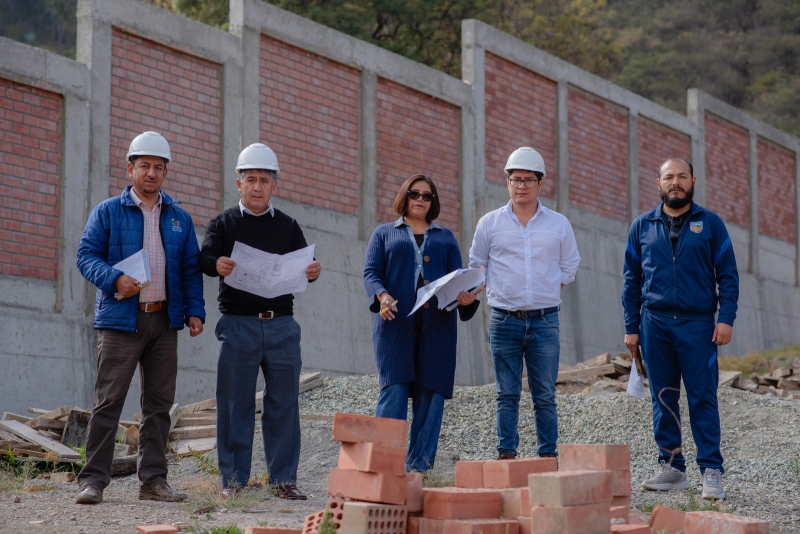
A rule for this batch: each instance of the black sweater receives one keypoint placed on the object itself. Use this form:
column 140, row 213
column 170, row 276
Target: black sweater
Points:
column 276, row 234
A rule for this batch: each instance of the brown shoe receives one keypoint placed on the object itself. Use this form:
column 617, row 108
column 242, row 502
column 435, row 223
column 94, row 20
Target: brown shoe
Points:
column 161, row 493
column 89, row 495
column 506, row 456
column 290, row 492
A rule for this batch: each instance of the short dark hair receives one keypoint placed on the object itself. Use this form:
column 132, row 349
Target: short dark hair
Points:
column 686, row 161
column 401, row 200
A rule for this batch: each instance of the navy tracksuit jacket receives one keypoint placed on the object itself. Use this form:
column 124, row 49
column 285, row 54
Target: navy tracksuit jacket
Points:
column 671, row 300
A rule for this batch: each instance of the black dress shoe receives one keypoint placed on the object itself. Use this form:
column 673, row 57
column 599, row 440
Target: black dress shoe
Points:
column 89, row 495
column 161, row 493
column 506, row 456
column 290, row 492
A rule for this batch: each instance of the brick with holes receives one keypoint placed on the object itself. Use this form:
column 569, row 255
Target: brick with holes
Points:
column 460, row 503
column 373, row 487
column 570, row 488
column 514, row 473
column 334, row 507
column 371, row 518
column 351, row 428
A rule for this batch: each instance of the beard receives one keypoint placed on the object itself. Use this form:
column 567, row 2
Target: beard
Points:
column 676, row 203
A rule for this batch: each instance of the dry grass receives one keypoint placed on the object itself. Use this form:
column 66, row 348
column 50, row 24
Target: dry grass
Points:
column 760, row 362
column 205, row 491
column 38, row 487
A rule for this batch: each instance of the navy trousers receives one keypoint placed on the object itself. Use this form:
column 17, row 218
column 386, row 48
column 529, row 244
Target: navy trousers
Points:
column 247, row 344
column 674, row 348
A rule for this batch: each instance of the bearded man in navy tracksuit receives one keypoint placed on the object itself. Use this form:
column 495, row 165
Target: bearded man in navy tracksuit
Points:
column 680, row 271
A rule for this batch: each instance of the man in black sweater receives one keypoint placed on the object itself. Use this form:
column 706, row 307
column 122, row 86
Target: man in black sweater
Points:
column 256, row 332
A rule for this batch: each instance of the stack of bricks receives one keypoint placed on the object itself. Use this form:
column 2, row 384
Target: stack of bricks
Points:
column 502, row 488
column 613, row 458
column 369, row 490
column 668, row 521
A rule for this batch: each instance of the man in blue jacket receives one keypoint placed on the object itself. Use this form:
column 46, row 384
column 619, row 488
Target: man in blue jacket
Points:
column 138, row 322
column 680, row 271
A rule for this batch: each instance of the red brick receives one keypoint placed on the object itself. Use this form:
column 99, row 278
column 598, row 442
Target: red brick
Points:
column 461, row 503
column 481, row 526
column 525, row 524
column 569, row 488
column 373, row 487
column 619, row 512
column 431, row 526
column 584, row 519
column 514, row 473
column 621, row 500
column 635, row 519
column 352, row 428
column 620, row 483
column 414, row 497
column 372, row 457
column 157, row 529
column 469, row 474
column 727, row 170
column 666, row 520
column 271, row 530
column 721, row 523
column 335, row 508
column 515, row 502
column 371, row 518
column 776, row 211
column 656, row 143
column 312, row 522
column 413, row 524
column 630, row 529
column 598, row 457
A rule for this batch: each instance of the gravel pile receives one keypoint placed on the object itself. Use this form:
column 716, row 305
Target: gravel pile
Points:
column 760, row 439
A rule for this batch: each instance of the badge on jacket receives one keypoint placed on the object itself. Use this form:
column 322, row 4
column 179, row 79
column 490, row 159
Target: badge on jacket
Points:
column 176, row 225
column 696, row 227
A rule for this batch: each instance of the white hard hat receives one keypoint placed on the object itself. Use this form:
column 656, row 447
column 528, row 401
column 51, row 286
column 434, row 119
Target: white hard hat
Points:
column 149, row 144
column 525, row 159
column 257, row 156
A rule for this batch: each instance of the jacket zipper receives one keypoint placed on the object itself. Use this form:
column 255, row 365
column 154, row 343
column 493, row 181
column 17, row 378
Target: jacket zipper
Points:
column 675, row 267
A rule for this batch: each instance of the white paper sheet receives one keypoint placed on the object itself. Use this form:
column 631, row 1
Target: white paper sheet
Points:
column 448, row 287
column 269, row 275
column 636, row 382
column 137, row 267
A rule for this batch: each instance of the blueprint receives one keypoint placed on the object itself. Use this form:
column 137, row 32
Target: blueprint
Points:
column 269, row 275
column 137, row 267
column 449, row 286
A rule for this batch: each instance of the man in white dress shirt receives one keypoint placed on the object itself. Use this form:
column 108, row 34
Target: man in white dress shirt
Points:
column 529, row 253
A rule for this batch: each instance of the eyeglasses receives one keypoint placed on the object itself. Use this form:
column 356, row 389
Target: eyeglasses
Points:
column 414, row 195
column 529, row 182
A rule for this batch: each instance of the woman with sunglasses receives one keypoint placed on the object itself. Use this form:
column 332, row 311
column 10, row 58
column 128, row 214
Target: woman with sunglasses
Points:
column 416, row 355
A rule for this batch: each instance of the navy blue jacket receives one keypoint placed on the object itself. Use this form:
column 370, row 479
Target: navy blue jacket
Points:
column 114, row 231
column 683, row 285
column 390, row 266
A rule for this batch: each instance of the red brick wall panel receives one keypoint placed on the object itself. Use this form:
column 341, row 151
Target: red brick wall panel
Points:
column 520, row 111
column 598, row 155
column 157, row 88
column 776, row 197
column 30, row 175
column 656, row 143
column 417, row 134
column 309, row 116
column 727, row 171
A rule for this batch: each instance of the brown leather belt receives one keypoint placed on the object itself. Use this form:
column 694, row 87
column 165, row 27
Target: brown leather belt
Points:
column 152, row 307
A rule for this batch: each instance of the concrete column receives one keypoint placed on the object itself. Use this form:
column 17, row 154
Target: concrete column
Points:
column 94, row 51
column 696, row 113
column 71, row 286
column 754, row 251
column 473, row 70
column 633, row 164
column 562, row 149
column 368, row 153
column 232, row 89
column 797, row 215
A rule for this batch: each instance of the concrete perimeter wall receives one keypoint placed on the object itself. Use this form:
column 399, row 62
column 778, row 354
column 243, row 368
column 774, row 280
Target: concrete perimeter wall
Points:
column 350, row 122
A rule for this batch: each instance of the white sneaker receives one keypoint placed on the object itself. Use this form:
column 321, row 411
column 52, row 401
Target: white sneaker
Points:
column 712, row 484
column 667, row 478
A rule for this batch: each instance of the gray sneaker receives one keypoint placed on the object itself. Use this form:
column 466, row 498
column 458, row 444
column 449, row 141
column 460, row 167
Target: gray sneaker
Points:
column 666, row 478
column 712, row 484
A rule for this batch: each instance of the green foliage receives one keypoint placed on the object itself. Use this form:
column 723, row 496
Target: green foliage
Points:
column 327, row 526
column 796, row 468
column 760, row 362
column 704, row 505
column 204, row 463
column 648, row 508
column 49, row 24
column 230, row 529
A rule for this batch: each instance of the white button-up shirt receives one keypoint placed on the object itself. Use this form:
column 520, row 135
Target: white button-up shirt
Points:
column 525, row 265
column 244, row 210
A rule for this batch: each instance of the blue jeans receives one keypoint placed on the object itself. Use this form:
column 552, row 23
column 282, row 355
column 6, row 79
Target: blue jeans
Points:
column 247, row 344
column 536, row 341
column 427, row 407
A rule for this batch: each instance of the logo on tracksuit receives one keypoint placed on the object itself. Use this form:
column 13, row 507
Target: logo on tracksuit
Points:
column 176, row 225
column 696, row 227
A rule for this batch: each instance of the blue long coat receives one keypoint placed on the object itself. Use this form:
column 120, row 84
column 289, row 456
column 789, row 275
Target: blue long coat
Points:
column 390, row 266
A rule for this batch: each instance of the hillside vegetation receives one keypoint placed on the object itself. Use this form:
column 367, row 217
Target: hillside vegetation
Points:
column 744, row 52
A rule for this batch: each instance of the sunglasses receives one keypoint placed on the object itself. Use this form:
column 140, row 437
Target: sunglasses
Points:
column 414, row 195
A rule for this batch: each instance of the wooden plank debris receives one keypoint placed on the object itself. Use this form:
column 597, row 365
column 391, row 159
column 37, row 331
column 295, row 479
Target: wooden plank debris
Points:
column 209, row 404
column 309, row 381
column 727, row 378
column 196, row 421
column 41, row 423
column 132, row 437
column 192, row 432
column 566, row 376
column 32, row 436
column 188, row 447
column 8, row 416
